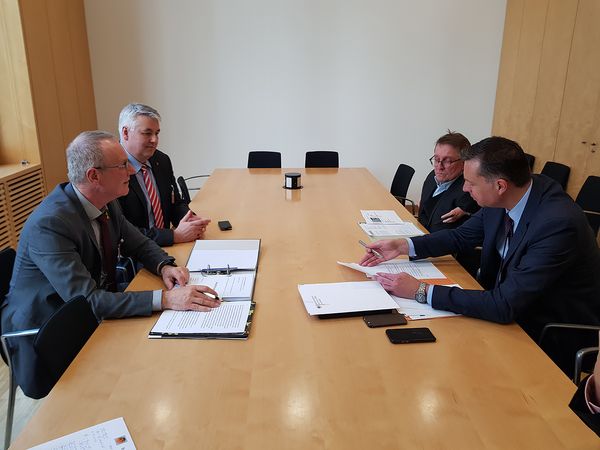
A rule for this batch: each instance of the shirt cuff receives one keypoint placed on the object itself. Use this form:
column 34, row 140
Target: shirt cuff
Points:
column 411, row 248
column 589, row 387
column 429, row 294
column 157, row 300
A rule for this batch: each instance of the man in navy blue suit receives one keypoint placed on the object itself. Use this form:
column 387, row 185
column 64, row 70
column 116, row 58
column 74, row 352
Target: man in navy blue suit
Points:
column 540, row 262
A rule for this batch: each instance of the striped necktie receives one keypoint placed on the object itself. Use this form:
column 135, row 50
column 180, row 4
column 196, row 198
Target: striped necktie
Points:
column 109, row 257
column 154, row 200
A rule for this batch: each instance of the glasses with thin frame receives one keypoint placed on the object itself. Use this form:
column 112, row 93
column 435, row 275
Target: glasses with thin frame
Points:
column 444, row 162
column 125, row 165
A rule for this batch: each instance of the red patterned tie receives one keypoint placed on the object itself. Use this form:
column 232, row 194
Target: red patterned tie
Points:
column 109, row 259
column 154, row 200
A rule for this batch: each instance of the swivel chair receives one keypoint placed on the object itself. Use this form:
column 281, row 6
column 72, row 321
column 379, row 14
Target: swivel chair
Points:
column 322, row 159
column 264, row 160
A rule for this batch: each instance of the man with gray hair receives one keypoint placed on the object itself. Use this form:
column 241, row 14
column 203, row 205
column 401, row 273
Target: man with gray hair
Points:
column 153, row 203
column 68, row 248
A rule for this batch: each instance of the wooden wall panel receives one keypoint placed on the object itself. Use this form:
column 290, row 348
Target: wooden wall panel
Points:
column 60, row 73
column 18, row 134
column 552, row 74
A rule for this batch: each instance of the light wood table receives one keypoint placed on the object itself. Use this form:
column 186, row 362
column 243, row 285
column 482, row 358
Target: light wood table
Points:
column 304, row 383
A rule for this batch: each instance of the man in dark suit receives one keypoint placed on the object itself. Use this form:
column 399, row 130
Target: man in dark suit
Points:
column 153, row 202
column 540, row 260
column 444, row 204
column 68, row 248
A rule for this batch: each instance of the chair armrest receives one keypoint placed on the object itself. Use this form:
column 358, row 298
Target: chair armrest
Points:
column 593, row 213
column 569, row 326
column 406, row 199
column 582, row 353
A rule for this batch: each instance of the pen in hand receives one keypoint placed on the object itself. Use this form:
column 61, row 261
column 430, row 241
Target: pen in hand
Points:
column 375, row 252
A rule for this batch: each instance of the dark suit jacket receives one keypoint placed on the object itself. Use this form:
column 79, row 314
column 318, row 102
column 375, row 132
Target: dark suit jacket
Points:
column 135, row 206
column 58, row 254
column 552, row 266
column 453, row 197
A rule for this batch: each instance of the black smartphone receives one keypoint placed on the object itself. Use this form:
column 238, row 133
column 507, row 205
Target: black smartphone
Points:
column 224, row 225
column 409, row 335
column 385, row 320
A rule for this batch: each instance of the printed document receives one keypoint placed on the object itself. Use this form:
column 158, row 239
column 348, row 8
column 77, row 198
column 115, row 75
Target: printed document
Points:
column 391, row 229
column 335, row 298
column 380, row 216
column 111, row 435
column 239, row 254
column 234, row 287
column 418, row 269
column 417, row 311
column 230, row 317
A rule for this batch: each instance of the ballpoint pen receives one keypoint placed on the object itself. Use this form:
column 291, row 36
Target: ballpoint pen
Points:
column 375, row 252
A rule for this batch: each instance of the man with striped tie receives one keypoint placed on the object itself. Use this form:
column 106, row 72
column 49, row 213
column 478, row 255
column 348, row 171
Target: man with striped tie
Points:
column 153, row 203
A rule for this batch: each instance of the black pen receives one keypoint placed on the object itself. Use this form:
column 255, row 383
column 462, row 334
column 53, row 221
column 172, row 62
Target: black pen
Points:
column 375, row 252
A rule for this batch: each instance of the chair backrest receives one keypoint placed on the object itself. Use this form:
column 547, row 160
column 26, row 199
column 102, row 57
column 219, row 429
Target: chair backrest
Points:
column 530, row 160
column 185, row 193
column 7, row 261
column 401, row 181
column 264, row 160
column 322, row 158
column 62, row 336
column 589, row 200
column 557, row 171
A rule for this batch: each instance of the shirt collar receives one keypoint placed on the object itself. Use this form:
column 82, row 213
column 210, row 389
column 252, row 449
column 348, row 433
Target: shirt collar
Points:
column 517, row 211
column 90, row 210
column 134, row 162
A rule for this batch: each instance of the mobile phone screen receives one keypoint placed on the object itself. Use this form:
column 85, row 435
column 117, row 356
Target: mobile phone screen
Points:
column 409, row 335
column 385, row 320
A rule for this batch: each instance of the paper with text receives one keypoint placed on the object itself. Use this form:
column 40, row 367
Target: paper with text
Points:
column 418, row 311
column 230, row 317
column 238, row 253
column 418, row 269
column 380, row 216
column 394, row 229
column 334, row 298
column 111, row 435
column 237, row 286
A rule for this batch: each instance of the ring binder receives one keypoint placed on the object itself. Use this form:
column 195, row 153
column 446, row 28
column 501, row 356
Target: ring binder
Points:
column 218, row 270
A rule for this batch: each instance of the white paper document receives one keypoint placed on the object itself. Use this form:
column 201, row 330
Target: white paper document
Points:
column 230, row 317
column 241, row 254
column 234, row 287
column 380, row 216
column 111, row 435
column 392, row 229
column 418, row 311
column 335, row 298
column 418, row 269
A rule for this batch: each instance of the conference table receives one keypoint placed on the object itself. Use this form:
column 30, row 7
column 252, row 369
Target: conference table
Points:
column 299, row 382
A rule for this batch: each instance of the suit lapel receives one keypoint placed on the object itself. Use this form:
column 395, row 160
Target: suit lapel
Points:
column 134, row 185
column 531, row 207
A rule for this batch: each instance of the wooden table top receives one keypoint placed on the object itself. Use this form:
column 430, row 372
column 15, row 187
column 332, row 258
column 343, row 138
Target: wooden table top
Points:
column 304, row 383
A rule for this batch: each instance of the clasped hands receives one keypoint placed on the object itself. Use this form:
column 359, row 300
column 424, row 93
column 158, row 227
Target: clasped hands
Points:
column 190, row 228
column 400, row 284
column 186, row 297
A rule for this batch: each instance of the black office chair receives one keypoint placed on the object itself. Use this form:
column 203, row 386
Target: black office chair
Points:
column 264, row 160
column 185, row 190
column 7, row 262
column 566, row 343
column 56, row 344
column 400, row 184
column 530, row 160
column 589, row 200
column 322, row 159
column 558, row 172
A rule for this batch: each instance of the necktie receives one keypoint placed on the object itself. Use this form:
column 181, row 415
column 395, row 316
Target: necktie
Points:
column 154, row 200
column 109, row 258
column 508, row 233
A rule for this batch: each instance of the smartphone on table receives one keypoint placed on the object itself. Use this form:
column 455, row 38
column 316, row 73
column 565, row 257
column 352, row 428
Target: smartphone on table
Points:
column 409, row 335
column 385, row 320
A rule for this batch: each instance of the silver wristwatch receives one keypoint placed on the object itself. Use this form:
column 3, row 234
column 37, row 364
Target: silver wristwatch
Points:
column 421, row 294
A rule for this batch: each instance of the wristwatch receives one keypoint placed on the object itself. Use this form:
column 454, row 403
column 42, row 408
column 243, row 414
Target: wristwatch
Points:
column 421, row 294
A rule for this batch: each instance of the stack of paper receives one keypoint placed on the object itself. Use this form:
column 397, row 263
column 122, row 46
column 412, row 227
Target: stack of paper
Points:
column 218, row 255
column 336, row 298
column 418, row 269
column 379, row 223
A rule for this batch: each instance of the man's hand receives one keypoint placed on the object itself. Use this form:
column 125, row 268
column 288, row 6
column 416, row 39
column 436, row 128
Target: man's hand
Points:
column 400, row 284
column 190, row 298
column 454, row 215
column 174, row 275
column 190, row 228
column 389, row 249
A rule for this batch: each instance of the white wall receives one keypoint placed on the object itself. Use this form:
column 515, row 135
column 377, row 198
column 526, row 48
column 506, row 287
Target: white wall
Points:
column 377, row 80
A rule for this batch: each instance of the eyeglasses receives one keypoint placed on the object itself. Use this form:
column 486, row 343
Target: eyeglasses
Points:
column 443, row 162
column 125, row 165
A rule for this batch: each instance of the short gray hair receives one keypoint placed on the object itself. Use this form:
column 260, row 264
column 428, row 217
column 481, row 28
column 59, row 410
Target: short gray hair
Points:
column 130, row 113
column 85, row 152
